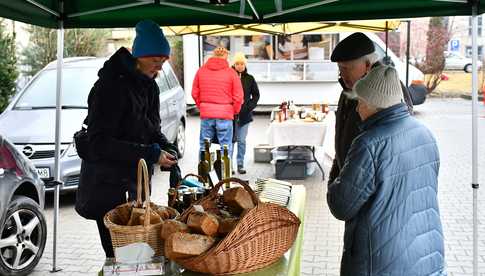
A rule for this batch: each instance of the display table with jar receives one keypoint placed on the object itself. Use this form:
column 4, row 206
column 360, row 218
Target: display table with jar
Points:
column 301, row 130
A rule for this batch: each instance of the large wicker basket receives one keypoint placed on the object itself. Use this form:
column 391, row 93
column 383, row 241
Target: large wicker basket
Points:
column 116, row 219
column 260, row 238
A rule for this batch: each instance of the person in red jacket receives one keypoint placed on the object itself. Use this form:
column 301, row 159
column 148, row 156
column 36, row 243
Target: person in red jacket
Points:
column 218, row 93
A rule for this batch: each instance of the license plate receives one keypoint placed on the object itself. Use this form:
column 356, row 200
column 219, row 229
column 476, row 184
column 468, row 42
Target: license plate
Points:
column 44, row 172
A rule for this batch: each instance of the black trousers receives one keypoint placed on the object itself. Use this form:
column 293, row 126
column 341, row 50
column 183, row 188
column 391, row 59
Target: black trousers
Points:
column 105, row 239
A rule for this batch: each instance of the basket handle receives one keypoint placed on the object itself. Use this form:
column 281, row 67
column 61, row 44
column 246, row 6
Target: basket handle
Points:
column 143, row 176
column 243, row 183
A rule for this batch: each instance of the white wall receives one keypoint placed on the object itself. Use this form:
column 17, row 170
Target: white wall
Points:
column 191, row 64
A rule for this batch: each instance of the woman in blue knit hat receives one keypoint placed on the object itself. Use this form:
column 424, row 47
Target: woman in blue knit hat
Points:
column 123, row 126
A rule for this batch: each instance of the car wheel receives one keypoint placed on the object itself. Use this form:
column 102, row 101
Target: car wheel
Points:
column 22, row 237
column 180, row 140
column 468, row 68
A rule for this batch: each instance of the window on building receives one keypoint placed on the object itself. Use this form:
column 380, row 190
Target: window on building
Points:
column 479, row 25
column 469, row 52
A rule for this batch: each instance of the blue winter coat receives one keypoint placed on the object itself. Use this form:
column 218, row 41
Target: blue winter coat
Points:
column 387, row 195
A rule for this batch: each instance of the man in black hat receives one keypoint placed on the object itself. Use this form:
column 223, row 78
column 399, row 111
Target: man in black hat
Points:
column 355, row 56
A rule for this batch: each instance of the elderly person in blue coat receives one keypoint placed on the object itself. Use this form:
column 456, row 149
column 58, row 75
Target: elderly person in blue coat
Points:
column 387, row 190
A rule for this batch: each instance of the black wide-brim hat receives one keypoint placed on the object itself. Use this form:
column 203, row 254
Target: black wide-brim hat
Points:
column 352, row 47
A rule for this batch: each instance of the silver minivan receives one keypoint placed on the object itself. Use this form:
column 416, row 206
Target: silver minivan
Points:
column 29, row 119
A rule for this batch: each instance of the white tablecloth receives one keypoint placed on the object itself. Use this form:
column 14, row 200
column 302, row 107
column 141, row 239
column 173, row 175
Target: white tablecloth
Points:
column 297, row 133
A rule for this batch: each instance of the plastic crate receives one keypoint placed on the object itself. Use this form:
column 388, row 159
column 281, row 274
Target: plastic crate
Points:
column 290, row 169
column 293, row 153
column 262, row 153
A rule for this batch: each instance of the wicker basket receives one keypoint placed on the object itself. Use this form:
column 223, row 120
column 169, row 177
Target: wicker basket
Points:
column 116, row 219
column 259, row 239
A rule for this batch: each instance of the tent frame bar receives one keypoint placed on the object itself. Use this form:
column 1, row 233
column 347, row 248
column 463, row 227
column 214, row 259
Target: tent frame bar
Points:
column 188, row 7
column 242, row 7
column 304, row 7
column 475, row 185
column 57, row 153
column 165, row 3
column 255, row 12
column 44, row 8
column 453, row 1
column 113, row 8
column 278, row 5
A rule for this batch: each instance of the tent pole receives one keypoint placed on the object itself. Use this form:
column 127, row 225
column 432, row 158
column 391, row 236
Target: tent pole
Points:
column 199, row 46
column 57, row 174
column 387, row 37
column 408, row 43
column 475, row 185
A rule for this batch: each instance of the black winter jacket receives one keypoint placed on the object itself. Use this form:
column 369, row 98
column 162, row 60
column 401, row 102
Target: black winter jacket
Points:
column 251, row 98
column 123, row 120
column 347, row 121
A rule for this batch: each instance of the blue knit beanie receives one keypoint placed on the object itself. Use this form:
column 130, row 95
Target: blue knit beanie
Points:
column 149, row 40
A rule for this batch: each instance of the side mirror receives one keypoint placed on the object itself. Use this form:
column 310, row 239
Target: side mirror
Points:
column 388, row 61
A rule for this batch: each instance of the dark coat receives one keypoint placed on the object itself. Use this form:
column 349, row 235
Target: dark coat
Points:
column 123, row 121
column 387, row 195
column 347, row 122
column 251, row 98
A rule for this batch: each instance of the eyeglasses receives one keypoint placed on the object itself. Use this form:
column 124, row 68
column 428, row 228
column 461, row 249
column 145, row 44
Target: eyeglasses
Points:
column 158, row 61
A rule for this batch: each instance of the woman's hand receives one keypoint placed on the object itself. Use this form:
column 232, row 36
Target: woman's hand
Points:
column 167, row 160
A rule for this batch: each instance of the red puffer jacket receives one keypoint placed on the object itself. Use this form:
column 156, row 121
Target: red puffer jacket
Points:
column 217, row 90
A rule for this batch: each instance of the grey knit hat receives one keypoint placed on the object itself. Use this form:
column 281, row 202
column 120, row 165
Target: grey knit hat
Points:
column 380, row 88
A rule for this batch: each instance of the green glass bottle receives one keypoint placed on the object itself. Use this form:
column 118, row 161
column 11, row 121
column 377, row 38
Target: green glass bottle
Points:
column 203, row 169
column 207, row 155
column 218, row 165
column 227, row 165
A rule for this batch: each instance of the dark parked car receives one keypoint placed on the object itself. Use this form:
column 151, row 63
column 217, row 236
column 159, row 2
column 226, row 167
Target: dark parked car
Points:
column 29, row 120
column 22, row 224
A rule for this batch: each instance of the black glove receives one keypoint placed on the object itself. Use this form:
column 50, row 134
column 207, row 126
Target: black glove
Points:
column 175, row 175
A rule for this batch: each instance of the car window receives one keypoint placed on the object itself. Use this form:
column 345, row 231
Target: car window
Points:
column 172, row 79
column 162, row 82
column 379, row 51
column 76, row 84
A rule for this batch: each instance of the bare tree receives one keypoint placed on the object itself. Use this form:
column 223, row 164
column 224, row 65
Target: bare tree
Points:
column 42, row 47
column 438, row 36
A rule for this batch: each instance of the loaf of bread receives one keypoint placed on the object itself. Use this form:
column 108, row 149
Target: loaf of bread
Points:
column 154, row 218
column 183, row 245
column 237, row 199
column 163, row 212
column 173, row 226
column 226, row 225
column 203, row 223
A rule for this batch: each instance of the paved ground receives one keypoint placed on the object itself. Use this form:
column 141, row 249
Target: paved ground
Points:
column 79, row 252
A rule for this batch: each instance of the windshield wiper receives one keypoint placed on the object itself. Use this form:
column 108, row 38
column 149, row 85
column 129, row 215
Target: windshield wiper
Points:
column 74, row 107
column 51, row 107
column 33, row 107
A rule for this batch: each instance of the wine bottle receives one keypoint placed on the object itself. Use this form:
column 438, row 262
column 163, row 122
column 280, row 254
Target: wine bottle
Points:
column 207, row 157
column 203, row 169
column 218, row 165
column 172, row 197
column 227, row 165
